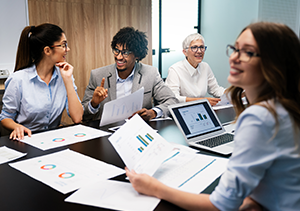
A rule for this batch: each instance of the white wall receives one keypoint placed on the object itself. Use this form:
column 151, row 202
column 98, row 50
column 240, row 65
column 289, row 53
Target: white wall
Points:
column 281, row 11
column 13, row 18
column 221, row 22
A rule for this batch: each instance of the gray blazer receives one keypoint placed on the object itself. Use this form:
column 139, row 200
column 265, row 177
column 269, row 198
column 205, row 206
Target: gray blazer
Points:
column 144, row 76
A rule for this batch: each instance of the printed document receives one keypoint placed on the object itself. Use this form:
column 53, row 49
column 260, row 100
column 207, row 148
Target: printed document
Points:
column 122, row 108
column 113, row 195
column 140, row 147
column 63, row 136
column 7, row 154
column 67, row 170
column 190, row 172
column 224, row 101
column 182, row 170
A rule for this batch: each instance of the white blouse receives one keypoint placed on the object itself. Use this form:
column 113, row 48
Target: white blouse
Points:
column 186, row 81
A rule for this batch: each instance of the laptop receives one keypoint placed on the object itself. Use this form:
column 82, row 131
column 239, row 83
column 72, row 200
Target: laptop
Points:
column 201, row 127
column 226, row 114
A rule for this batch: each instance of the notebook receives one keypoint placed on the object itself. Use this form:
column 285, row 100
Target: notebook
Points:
column 201, row 127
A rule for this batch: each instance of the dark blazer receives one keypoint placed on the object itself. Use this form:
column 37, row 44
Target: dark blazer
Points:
column 144, row 76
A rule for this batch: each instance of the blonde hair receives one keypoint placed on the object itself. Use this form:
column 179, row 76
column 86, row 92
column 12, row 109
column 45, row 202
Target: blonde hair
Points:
column 279, row 49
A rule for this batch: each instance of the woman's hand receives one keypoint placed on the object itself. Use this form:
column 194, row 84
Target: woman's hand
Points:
column 213, row 101
column 18, row 133
column 66, row 69
column 250, row 205
column 143, row 183
column 150, row 186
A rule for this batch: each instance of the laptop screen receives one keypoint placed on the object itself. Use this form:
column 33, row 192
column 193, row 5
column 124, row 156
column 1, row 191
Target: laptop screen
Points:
column 196, row 119
column 226, row 115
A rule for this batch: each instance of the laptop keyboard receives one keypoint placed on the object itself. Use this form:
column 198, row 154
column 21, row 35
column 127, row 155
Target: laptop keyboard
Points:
column 217, row 141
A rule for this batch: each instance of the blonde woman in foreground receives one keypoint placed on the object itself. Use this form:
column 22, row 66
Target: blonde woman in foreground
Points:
column 263, row 172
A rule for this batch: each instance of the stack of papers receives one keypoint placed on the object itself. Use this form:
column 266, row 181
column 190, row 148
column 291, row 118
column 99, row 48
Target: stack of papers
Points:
column 141, row 148
column 144, row 151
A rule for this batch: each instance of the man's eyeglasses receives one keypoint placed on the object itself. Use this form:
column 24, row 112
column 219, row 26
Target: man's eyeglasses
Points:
column 243, row 54
column 195, row 48
column 124, row 53
column 64, row 45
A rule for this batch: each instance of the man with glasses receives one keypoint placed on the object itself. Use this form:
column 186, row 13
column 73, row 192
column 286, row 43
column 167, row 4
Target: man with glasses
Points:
column 192, row 78
column 127, row 75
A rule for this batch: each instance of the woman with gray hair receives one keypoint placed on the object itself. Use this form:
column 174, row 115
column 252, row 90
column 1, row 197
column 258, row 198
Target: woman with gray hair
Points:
column 191, row 78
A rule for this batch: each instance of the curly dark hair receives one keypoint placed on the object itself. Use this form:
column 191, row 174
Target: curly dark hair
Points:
column 133, row 40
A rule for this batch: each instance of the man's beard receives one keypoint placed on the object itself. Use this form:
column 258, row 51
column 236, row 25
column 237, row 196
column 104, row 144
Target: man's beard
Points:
column 122, row 70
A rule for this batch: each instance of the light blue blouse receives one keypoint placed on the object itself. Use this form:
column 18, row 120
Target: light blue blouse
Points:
column 31, row 102
column 263, row 167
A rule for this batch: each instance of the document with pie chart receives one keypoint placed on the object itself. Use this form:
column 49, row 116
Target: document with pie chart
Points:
column 63, row 136
column 66, row 170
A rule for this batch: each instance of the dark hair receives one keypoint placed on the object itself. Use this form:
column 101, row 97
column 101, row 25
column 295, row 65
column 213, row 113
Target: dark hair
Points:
column 32, row 42
column 279, row 49
column 133, row 40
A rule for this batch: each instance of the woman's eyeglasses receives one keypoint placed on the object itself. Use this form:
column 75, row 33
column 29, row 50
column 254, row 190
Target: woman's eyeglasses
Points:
column 195, row 48
column 64, row 45
column 243, row 54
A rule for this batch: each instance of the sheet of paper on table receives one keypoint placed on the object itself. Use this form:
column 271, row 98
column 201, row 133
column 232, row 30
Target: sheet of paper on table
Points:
column 63, row 136
column 7, row 154
column 189, row 171
column 66, row 170
column 113, row 195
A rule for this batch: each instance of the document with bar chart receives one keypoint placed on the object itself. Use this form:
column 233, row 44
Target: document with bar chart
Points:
column 140, row 147
column 122, row 108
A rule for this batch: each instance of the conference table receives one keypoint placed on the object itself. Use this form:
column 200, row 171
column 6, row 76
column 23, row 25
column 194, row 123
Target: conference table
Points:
column 18, row 191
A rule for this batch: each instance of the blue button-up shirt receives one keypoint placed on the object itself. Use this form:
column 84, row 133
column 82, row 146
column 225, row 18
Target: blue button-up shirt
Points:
column 29, row 101
column 124, row 85
column 264, row 166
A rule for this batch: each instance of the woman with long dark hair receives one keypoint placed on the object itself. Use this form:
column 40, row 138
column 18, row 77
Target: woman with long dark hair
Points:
column 42, row 84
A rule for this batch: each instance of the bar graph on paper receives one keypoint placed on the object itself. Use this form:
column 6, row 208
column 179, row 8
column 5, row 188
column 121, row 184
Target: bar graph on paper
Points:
column 145, row 141
column 140, row 147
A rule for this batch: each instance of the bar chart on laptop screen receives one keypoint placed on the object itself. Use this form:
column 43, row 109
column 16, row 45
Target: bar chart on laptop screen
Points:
column 196, row 118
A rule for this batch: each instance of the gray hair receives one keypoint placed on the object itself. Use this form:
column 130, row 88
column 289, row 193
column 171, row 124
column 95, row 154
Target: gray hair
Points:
column 192, row 37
